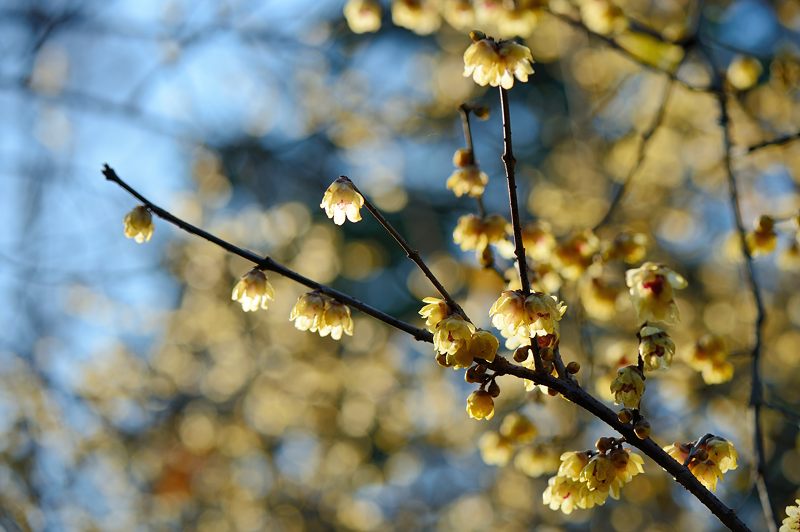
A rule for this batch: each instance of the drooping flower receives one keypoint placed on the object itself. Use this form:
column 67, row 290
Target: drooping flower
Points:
column 627, row 465
column 791, row 523
column 497, row 63
column 656, row 348
column 459, row 14
column 480, row 405
column 562, row 493
column 678, row 451
column 341, row 201
column 139, row 224
column 707, row 472
column 495, row 448
column 307, row 312
column 468, row 180
column 475, row 233
column 543, row 312
column 518, row 428
column 710, row 357
column 743, row 72
column 420, row 16
column 723, row 453
column 509, row 314
column 435, row 311
column 600, row 473
column 763, row 238
column 363, row 16
column 572, row 463
column 628, row 387
column 451, row 334
column 711, row 457
column 573, row 256
column 253, row 291
column 651, row 288
column 336, row 320
column 537, row 460
column 483, row 345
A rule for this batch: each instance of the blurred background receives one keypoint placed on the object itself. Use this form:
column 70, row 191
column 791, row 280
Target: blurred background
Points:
column 134, row 394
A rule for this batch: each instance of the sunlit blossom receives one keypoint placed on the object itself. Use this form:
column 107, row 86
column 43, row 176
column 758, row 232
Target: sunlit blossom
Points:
column 497, row 63
column 341, row 202
column 139, row 224
column 253, row 291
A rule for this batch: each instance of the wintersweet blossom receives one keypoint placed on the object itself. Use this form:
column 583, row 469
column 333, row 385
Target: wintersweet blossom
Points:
column 451, row 334
column 651, row 288
column 791, row 522
column 537, row 315
column 723, row 453
column 460, row 14
column 566, row 494
column 572, row 463
column 537, row 460
column 434, row 311
column 480, row 405
column 363, row 16
column 710, row 357
column 518, row 428
column 603, row 17
column 656, row 348
column 475, row 233
column 497, row 63
column 341, row 201
column 253, row 291
column 711, row 458
column 483, row 345
column 139, row 224
column 573, row 256
column 307, row 312
column 763, row 238
column 420, row 16
column 628, row 387
column 336, row 320
column 468, row 180
column 495, row 449
column 600, row 473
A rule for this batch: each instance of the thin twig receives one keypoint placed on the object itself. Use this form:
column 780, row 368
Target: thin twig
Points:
column 464, row 111
column 778, row 141
column 266, row 263
column 510, row 163
column 412, row 253
column 569, row 389
column 756, row 388
column 648, row 134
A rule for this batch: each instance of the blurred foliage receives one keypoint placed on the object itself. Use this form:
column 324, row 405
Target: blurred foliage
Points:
column 134, row 394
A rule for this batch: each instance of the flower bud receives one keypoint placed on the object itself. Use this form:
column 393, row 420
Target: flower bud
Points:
column 625, row 415
column 573, row 367
column 604, row 444
column 521, row 354
column 463, row 157
column 493, row 388
column 642, row 429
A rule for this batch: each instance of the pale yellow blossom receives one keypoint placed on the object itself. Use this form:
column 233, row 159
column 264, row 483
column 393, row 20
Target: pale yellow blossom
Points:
column 253, row 291
column 139, row 224
column 341, row 201
column 497, row 63
column 651, row 288
column 363, row 16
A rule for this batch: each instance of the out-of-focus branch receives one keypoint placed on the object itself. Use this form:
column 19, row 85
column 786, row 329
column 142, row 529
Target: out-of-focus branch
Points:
column 266, row 263
column 756, row 388
column 510, row 164
column 412, row 253
column 568, row 388
column 778, row 141
column 647, row 135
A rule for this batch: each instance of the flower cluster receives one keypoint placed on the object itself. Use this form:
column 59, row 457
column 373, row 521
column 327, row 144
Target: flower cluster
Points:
column 139, row 224
column 497, row 63
column 518, row 317
column 586, row 479
column 475, row 233
column 792, row 521
column 467, row 178
column 456, row 341
column 316, row 312
column 341, row 201
column 253, row 291
column 709, row 459
column 651, row 288
column 710, row 357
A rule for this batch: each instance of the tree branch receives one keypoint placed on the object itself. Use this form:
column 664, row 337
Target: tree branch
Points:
column 756, row 388
column 777, row 141
column 510, row 163
column 266, row 263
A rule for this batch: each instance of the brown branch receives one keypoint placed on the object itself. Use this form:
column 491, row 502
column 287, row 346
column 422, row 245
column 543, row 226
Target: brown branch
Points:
column 569, row 389
column 412, row 253
column 777, row 141
column 510, row 164
column 647, row 135
column 756, row 388
column 464, row 111
column 266, row 263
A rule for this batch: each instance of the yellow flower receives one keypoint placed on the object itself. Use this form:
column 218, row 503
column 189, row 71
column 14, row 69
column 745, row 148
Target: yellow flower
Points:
column 678, row 451
column 543, row 313
column 480, row 405
column 628, row 387
column 603, row 17
column 419, row 16
column 509, row 315
column 435, row 311
column 474, row 233
column 451, row 334
column 599, row 294
column 792, row 521
column 537, row 460
column 572, row 463
column 484, row 345
column 717, row 372
column 743, row 72
column 139, row 224
column 517, row 21
column 497, row 63
column 538, row 239
column 336, row 320
column 627, row 465
column 763, row 238
column 656, row 348
column 651, row 288
column 562, row 493
column 518, row 429
column 341, row 202
column 707, row 472
column 363, row 16
column 468, row 180
column 495, row 449
column 710, row 358
column 723, row 453
column 253, row 291
column 307, row 312
column 599, row 473
column 575, row 255
column 628, row 246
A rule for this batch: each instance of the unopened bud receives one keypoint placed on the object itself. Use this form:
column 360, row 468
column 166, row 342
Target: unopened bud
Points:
column 604, row 444
column 493, row 389
column 463, row 157
column 547, row 354
column 625, row 415
column 642, row 429
column 487, row 257
column 481, row 111
column 476, row 35
column 701, row 455
column 521, row 354
column 573, row 367
column 551, row 392
column 472, row 375
column 441, row 359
